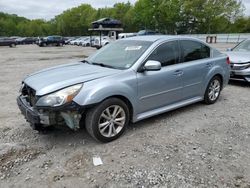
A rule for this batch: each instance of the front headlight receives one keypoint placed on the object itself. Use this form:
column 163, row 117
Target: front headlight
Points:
column 60, row 97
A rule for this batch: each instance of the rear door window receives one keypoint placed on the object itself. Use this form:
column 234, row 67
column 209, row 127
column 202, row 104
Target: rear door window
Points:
column 193, row 50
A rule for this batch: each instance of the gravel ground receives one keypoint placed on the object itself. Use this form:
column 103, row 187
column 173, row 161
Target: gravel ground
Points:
column 195, row 146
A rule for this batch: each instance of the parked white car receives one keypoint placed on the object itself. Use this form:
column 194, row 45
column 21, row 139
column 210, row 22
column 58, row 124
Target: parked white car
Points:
column 80, row 41
column 126, row 35
column 77, row 41
column 88, row 41
column 104, row 41
column 72, row 42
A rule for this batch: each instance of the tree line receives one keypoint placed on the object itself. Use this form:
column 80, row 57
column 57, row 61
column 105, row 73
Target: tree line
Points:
column 165, row 16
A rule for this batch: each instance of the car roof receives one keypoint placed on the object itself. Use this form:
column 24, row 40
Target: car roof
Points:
column 153, row 38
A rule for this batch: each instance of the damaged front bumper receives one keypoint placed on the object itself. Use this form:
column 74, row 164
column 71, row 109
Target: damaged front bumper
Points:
column 69, row 114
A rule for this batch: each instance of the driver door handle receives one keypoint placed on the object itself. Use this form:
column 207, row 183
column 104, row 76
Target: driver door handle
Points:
column 178, row 72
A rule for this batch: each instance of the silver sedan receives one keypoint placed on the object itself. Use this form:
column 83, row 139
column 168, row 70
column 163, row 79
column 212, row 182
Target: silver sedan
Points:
column 240, row 61
column 126, row 81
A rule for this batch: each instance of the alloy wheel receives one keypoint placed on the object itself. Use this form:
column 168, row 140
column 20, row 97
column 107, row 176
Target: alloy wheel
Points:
column 214, row 90
column 112, row 121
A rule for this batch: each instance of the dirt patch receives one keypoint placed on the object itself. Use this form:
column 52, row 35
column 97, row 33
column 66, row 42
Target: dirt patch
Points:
column 13, row 155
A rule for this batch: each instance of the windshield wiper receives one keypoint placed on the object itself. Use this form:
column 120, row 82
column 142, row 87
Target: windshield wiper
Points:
column 104, row 65
column 85, row 61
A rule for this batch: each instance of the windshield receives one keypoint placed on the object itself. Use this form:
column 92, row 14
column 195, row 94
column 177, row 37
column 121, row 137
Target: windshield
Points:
column 243, row 46
column 121, row 54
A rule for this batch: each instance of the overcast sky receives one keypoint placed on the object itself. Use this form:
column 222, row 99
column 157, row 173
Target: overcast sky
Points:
column 247, row 5
column 47, row 9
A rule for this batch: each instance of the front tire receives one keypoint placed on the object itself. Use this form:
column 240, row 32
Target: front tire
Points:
column 108, row 120
column 213, row 90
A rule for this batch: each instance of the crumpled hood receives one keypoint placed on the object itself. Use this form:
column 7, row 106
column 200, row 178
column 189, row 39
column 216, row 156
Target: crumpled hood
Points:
column 239, row 57
column 55, row 78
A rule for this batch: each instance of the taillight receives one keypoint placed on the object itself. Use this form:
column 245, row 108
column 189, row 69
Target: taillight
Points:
column 228, row 61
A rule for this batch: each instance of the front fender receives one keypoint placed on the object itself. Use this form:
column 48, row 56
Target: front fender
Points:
column 96, row 91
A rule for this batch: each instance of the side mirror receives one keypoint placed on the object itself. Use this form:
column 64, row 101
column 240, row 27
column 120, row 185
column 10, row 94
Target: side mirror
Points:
column 229, row 49
column 151, row 65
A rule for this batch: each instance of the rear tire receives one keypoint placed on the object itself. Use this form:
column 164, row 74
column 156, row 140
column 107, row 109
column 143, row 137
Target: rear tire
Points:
column 213, row 90
column 108, row 120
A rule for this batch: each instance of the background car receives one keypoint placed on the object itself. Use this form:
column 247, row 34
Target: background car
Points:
column 107, row 23
column 126, row 35
column 4, row 41
column 76, row 41
column 88, row 41
column 26, row 40
column 72, row 42
column 240, row 61
column 147, row 32
column 100, row 42
column 80, row 41
column 127, row 81
column 51, row 40
column 69, row 39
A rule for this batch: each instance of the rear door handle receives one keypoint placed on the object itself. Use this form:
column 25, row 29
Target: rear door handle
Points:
column 178, row 73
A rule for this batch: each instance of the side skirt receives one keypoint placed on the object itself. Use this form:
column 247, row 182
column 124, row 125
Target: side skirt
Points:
column 164, row 109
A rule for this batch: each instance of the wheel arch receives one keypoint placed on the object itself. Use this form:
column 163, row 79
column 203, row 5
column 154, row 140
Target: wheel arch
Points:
column 210, row 78
column 126, row 101
column 122, row 98
column 216, row 71
column 220, row 76
column 207, row 98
